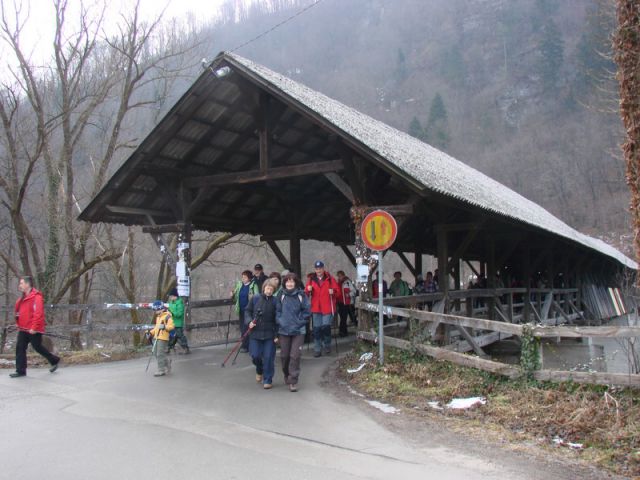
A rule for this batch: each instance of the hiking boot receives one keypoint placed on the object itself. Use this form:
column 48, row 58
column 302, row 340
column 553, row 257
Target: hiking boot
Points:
column 54, row 367
column 159, row 374
column 317, row 354
column 327, row 351
column 258, row 378
column 16, row 375
column 267, row 386
column 293, row 387
column 187, row 351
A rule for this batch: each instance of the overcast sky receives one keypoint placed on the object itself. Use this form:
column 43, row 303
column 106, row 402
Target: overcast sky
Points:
column 38, row 32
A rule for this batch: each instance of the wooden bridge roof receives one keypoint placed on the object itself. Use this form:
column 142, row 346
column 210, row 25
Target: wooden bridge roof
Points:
column 247, row 150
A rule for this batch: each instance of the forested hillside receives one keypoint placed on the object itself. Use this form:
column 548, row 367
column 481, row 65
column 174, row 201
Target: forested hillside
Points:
column 522, row 90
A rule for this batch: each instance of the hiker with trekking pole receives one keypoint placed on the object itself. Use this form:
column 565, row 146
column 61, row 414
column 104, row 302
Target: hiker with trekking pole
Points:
column 261, row 314
column 243, row 291
column 292, row 311
column 163, row 321
column 323, row 291
column 30, row 322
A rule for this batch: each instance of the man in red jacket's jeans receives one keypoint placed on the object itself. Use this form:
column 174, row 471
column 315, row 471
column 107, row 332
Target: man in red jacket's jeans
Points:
column 30, row 322
column 324, row 291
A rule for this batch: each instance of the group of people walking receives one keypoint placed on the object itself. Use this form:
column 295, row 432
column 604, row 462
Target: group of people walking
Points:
column 275, row 310
column 278, row 309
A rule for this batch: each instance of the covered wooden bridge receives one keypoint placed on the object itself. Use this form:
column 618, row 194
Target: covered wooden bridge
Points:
column 247, row 150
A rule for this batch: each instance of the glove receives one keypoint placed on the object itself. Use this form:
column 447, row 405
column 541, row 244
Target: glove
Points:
column 161, row 326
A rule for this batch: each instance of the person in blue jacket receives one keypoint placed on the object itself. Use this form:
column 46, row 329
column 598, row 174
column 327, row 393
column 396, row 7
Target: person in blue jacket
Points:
column 292, row 313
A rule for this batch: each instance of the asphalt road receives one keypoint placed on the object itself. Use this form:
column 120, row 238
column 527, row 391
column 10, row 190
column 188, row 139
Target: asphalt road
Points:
column 205, row 422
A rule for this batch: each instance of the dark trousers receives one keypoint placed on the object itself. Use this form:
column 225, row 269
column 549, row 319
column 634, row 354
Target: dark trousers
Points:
column 35, row 339
column 290, row 353
column 346, row 311
column 179, row 336
column 243, row 329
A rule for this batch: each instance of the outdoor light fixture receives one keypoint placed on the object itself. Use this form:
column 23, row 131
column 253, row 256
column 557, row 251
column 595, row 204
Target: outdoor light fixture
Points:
column 222, row 72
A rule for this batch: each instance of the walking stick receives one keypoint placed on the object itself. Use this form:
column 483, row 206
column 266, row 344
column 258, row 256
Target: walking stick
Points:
column 153, row 350
column 236, row 348
column 226, row 340
column 333, row 319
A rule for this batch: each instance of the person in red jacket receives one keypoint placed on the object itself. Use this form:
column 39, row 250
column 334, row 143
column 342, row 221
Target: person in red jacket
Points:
column 324, row 292
column 29, row 313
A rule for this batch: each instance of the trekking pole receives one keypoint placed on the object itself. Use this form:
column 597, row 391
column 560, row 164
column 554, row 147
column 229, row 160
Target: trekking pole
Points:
column 333, row 319
column 153, row 350
column 226, row 340
column 236, row 348
column 53, row 335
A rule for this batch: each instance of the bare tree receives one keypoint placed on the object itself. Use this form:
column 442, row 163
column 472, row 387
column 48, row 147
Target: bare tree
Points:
column 627, row 54
column 63, row 127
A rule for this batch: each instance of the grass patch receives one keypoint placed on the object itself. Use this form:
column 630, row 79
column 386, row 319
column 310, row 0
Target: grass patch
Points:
column 606, row 421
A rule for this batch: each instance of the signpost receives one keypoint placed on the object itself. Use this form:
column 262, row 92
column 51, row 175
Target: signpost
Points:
column 379, row 230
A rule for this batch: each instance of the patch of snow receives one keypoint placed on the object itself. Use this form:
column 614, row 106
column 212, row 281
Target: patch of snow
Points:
column 463, row 403
column 435, row 405
column 4, row 361
column 386, row 408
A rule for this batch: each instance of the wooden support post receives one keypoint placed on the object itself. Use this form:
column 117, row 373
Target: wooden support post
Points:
column 278, row 253
column 417, row 260
column 407, row 263
column 295, row 263
column 491, row 275
column 349, row 255
column 526, row 274
column 184, row 254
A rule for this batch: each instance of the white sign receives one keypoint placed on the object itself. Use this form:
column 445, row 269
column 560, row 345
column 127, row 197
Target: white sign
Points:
column 184, row 291
column 362, row 273
column 181, row 269
column 184, row 281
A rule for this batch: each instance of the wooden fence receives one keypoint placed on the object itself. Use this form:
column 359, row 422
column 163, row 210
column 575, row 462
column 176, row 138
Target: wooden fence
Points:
column 469, row 326
column 93, row 327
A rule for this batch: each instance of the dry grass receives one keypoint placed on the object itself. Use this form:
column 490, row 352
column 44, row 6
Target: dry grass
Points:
column 82, row 357
column 605, row 421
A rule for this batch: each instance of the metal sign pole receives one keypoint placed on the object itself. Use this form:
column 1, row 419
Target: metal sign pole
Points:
column 380, row 312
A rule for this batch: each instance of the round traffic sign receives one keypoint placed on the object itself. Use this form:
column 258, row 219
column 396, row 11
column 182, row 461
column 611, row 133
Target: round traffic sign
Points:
column 379, row 230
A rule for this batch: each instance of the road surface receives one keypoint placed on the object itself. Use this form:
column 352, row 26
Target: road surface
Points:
column 114, row 421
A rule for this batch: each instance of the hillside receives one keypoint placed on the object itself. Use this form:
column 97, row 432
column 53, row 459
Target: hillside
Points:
column 522, row 85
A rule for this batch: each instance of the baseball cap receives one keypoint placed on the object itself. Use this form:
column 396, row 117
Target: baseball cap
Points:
column 318, row 264
column 258, row 266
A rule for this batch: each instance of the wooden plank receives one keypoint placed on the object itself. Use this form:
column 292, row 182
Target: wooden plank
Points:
column 168, row 228
column 276, row 250
column 471, row 341
column 253, row 176
column 597, row 378
column 406, row 261
column 443, row 354
column 481, row 340
column 477, row 323
column 349, row 255
column 341, row 185
column 578, row 332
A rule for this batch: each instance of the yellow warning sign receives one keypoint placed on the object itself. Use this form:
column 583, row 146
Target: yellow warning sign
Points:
column 379, row 230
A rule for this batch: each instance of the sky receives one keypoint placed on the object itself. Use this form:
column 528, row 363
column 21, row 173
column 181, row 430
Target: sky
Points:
column 39, row 30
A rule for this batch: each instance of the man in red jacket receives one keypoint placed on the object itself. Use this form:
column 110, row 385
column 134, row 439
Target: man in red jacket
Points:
column 30, row 322
column 324, row 292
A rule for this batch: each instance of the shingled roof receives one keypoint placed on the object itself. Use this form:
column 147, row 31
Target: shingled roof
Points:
column 419, row 166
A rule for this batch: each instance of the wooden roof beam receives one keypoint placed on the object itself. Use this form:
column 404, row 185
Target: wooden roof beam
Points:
column 254, row 176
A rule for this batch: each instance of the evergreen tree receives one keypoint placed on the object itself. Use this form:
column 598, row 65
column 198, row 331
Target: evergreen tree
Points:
column 551, row 53
column 415, row 129
column 437, row 129
column 401, row 66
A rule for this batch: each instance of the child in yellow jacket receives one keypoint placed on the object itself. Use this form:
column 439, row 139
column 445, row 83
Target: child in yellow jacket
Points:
column 163, row 325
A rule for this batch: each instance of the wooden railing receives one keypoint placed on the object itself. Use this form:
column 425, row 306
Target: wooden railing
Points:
column 468, row 327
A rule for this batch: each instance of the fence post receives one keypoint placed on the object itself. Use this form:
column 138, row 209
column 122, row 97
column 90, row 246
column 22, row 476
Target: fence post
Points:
column 89, row 328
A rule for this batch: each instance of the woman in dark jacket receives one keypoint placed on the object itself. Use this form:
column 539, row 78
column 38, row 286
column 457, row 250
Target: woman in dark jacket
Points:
column 293, row 311
column 261, row 318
